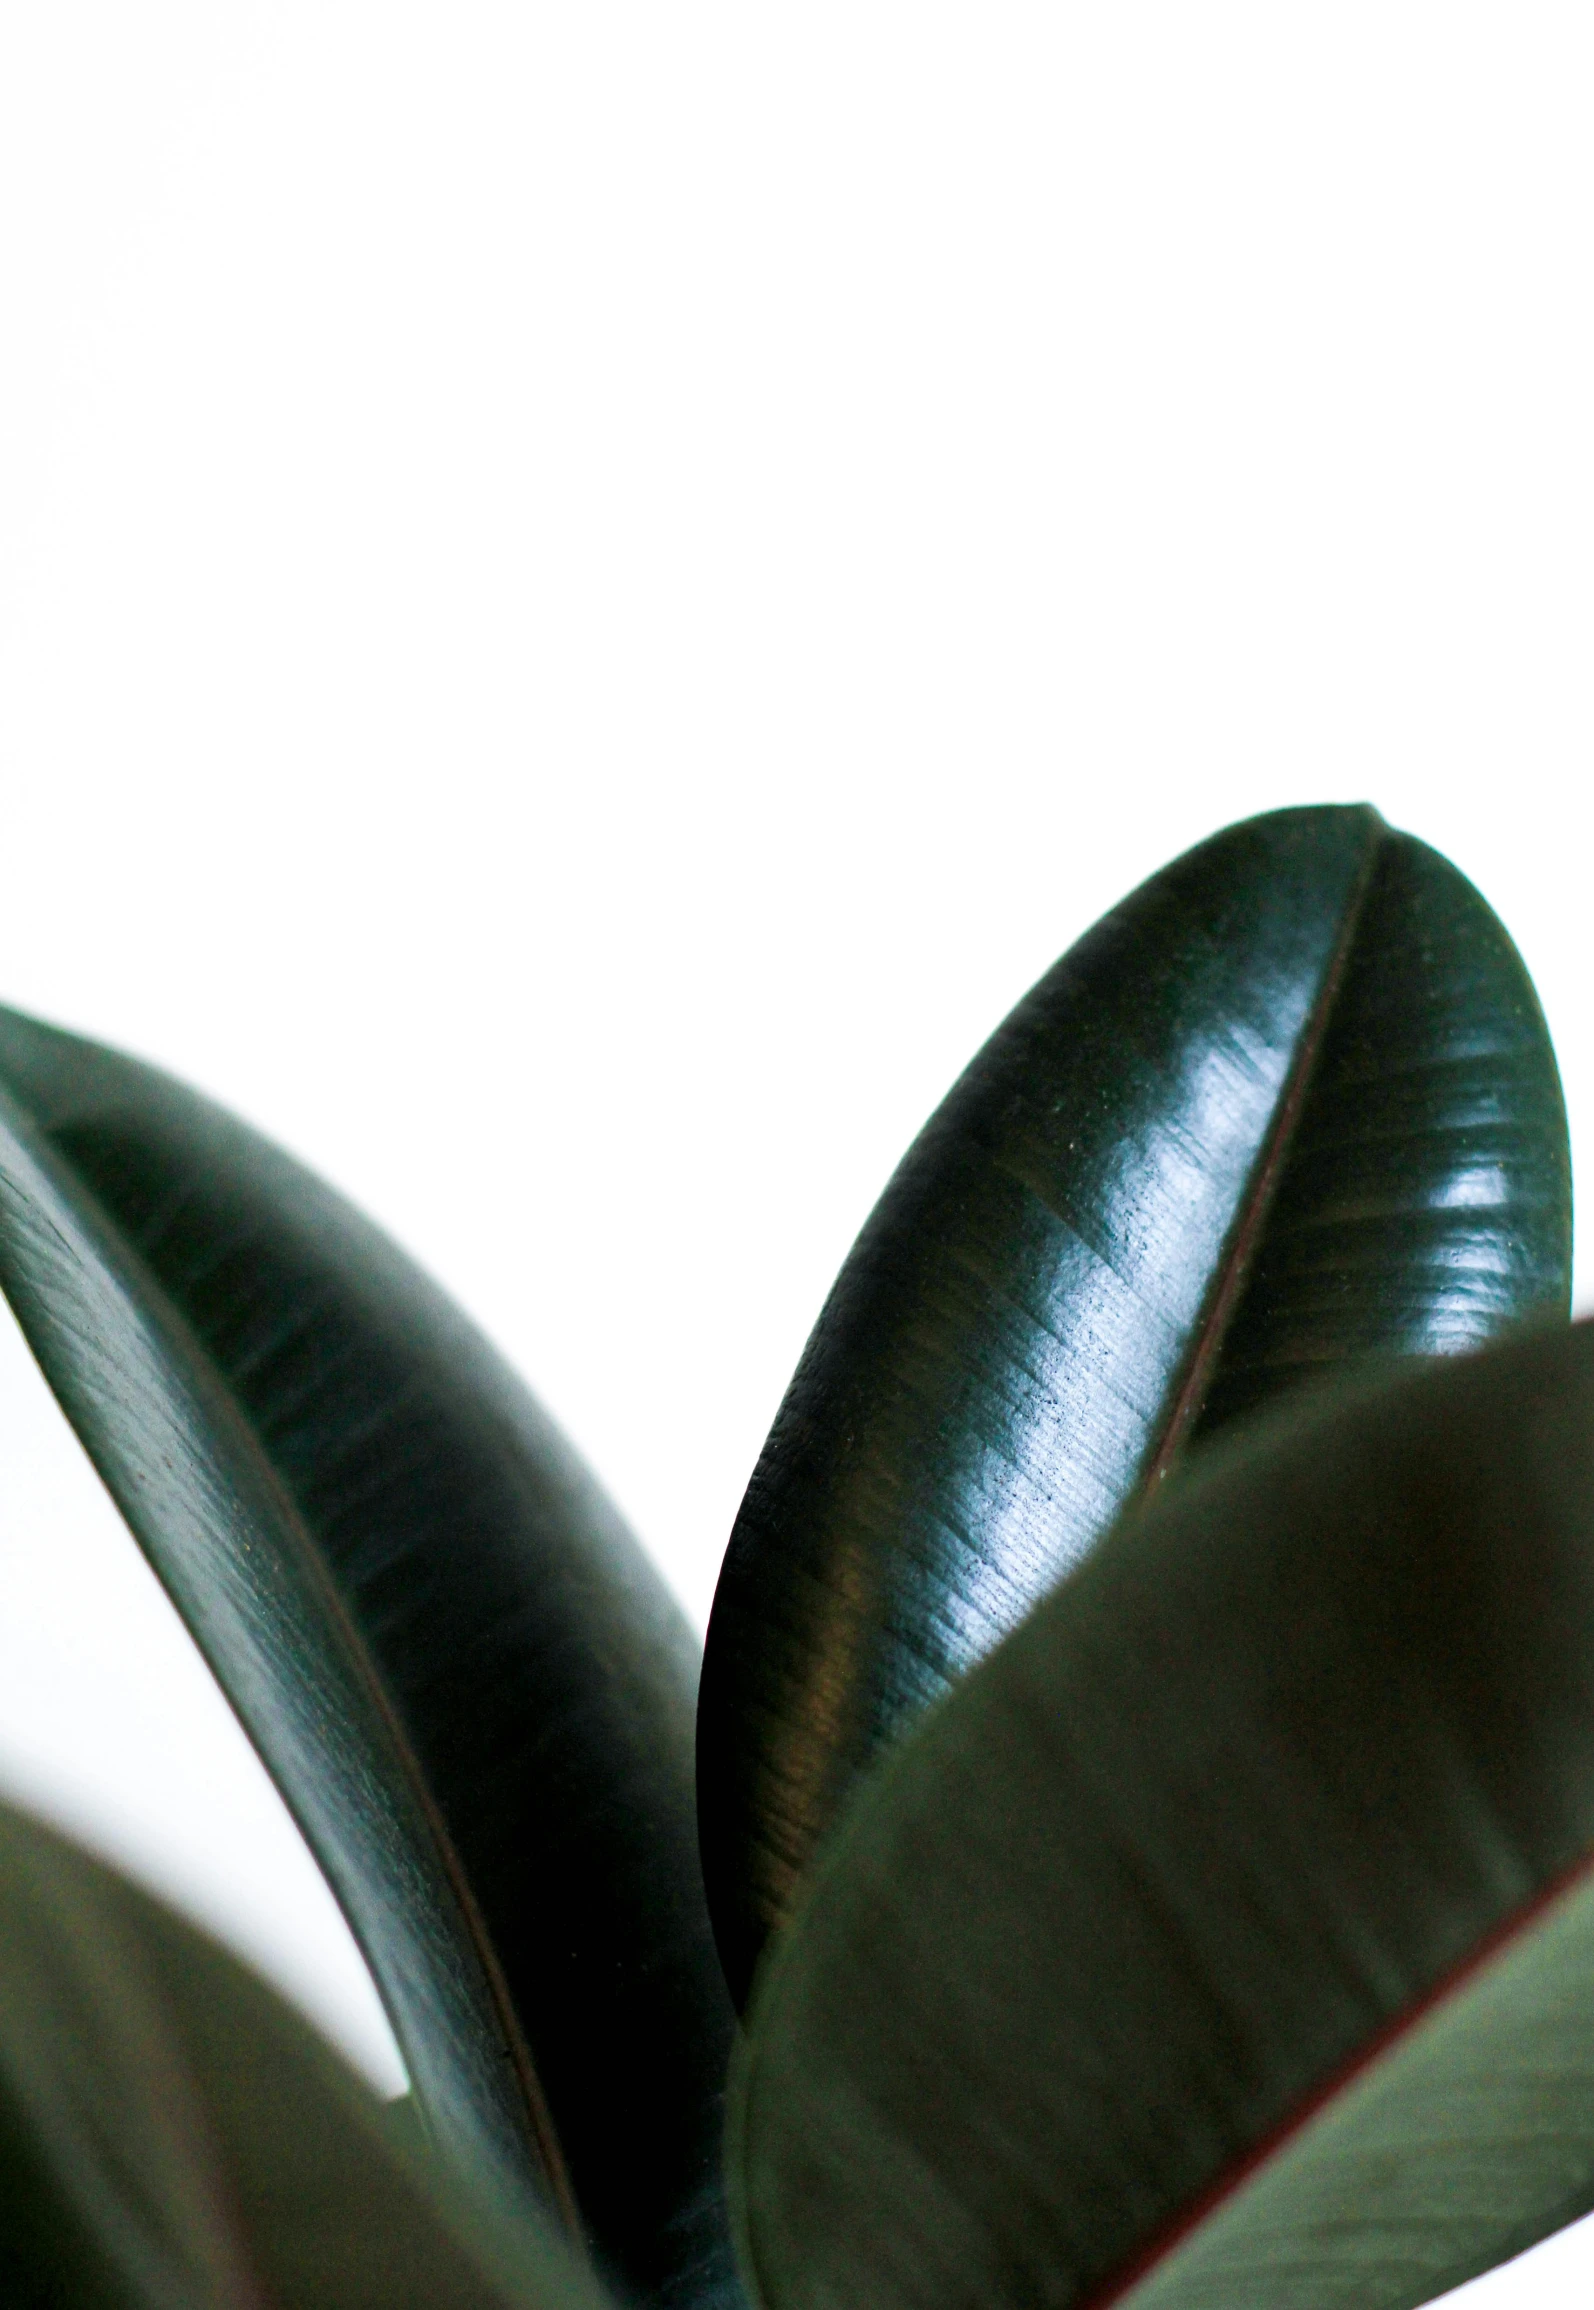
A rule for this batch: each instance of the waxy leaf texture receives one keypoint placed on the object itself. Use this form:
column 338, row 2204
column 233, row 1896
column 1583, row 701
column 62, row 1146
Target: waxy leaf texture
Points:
column 1290, row 1107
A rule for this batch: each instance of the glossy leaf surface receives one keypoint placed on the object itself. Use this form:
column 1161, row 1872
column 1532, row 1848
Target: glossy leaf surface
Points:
column 172, row 2137
column 1291, row 1105
column 473, row 1690
column 1227, row 1938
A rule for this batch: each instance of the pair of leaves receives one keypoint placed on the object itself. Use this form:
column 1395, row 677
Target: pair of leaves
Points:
column 474, row 1692
column 173, row 2138
column 1290, row 1106
column 1219, row 1932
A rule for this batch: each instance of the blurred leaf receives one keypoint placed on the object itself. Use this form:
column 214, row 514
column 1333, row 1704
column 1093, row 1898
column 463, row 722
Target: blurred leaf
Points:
column 1227, row 1939
column 1291, row 1105
column 473, row 1690
column 172, row 2137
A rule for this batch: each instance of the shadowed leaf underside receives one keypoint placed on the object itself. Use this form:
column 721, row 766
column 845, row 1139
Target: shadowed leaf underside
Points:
column 1224, row 1940
column 172, row 2135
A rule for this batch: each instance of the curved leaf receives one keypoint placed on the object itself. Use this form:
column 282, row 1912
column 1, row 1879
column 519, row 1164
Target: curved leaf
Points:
column 472, row 1689
column 1227, row 1938
column 170, row 2133
column 1290, row 1105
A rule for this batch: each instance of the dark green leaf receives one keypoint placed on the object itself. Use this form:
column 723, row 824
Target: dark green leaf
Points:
column 173, row 2138
column 1290, row 1105
column 474, row 1692
column 1226, row 1940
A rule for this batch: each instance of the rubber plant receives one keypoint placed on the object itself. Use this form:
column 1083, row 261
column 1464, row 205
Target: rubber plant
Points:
column 1140, row 1801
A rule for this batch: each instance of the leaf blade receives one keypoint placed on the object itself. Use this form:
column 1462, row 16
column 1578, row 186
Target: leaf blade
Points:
column 1075, row 1267
column 1260, row 1860
column 472, row 1688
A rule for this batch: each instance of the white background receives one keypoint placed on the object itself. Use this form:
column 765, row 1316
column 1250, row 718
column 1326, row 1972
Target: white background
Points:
column 588, row 593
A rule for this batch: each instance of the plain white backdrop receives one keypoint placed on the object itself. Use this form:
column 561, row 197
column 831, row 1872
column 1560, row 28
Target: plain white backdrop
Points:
column 588, row 593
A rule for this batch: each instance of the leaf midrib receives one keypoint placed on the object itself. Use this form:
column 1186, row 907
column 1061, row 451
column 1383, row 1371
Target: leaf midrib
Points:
column 1246, row 1231
column 1429, row 2002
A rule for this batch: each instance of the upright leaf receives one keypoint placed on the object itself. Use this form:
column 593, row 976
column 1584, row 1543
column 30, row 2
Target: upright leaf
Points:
column 1291, row 1105
column 173, row 2138
column 1227, row 1938
column 472, row 1689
